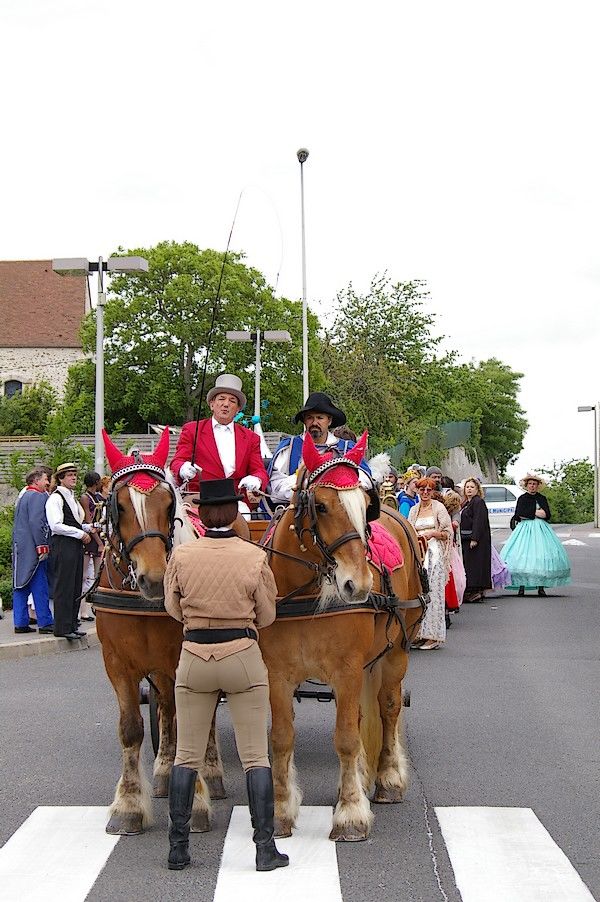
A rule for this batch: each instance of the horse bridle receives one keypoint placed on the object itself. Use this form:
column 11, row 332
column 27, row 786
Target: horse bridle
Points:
column 122, row 478
column 305, row 506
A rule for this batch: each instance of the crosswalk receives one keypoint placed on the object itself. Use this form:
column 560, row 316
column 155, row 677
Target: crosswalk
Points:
column 497, row 854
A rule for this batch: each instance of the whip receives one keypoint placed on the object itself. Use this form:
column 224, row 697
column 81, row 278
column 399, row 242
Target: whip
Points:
column 212, row 326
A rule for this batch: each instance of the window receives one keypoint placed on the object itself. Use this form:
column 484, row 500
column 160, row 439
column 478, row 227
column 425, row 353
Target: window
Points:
column 12, row 387
column 510, row 496
column 495, row 493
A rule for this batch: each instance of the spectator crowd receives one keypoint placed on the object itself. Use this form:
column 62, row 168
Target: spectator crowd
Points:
column 56, row 551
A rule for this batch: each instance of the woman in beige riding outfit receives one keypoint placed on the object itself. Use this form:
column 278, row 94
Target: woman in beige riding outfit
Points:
column 223, row 590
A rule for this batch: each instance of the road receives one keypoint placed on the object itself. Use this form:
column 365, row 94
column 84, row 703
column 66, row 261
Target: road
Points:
column 506, row 716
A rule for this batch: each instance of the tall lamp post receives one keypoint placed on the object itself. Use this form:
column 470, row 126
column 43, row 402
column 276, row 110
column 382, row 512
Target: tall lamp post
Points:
column 78, row 266
column 274, row 335
column 596, row 408
column 302, row 155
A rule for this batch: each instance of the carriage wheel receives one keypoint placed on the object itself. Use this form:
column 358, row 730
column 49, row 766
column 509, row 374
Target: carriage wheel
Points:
column 153, row 709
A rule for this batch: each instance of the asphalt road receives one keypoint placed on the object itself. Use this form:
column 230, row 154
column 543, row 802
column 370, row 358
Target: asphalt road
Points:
column 506, row 715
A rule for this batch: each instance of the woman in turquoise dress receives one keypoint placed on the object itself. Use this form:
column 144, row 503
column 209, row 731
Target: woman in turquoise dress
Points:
column 533, row 554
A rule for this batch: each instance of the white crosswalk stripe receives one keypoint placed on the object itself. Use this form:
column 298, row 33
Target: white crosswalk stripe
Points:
column 312, row 874
column 506, row 855
column 76, row 848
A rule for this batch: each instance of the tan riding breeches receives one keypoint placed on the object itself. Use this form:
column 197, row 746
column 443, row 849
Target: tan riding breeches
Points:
column 243, row 677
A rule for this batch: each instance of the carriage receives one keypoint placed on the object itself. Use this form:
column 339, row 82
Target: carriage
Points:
column 346, row 616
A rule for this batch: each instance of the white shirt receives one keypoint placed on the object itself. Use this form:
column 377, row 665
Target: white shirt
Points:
column 55, row 514
column 225, row 441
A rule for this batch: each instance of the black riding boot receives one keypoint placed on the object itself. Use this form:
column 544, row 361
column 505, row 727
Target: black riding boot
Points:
column 521, row 591
column 259, row 782
column 182, row 786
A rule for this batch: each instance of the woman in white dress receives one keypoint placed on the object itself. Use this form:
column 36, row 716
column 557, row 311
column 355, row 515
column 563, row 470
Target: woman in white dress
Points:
column 432, row 523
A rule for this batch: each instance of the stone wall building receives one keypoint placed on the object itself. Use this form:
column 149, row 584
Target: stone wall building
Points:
column 40, row 317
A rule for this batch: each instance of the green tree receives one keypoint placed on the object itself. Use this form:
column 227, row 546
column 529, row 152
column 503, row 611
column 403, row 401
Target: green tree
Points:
column 570, row 491
column 157, row 325
column 27, row 412
column 383, row 364
column 486, row 394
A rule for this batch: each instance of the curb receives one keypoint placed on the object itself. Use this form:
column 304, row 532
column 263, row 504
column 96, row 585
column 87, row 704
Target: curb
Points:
column 49, row 645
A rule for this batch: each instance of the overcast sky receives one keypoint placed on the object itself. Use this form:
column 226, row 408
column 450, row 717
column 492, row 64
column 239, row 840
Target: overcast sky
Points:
column 455, row 142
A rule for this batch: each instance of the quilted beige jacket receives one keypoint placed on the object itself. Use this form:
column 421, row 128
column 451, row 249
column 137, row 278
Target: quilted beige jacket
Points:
column 220, row 584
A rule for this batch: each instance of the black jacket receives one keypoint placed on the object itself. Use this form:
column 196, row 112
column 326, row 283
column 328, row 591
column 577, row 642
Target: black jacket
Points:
column 526, row 506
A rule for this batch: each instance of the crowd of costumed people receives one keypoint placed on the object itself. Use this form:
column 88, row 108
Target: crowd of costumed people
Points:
column 452, row 523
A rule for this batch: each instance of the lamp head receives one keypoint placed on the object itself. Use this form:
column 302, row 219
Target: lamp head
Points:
column 302, row 155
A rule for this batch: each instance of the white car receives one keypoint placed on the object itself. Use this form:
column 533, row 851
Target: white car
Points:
column 501, row 501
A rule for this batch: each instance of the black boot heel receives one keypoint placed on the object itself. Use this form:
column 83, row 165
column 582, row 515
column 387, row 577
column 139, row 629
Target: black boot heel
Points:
column 259, row 783
column 182, row 786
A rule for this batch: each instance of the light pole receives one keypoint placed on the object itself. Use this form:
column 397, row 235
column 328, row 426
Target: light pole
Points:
column 302, row 155
column 275, row 335
column 77, row 266
column 596, row 408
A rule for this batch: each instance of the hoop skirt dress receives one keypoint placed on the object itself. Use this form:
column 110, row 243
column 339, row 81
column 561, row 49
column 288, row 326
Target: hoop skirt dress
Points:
column 533, row 554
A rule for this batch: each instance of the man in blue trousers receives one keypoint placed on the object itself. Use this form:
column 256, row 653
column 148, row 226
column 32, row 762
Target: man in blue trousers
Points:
column 30, row 554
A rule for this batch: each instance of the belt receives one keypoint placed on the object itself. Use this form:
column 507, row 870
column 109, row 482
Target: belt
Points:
column 211, row 637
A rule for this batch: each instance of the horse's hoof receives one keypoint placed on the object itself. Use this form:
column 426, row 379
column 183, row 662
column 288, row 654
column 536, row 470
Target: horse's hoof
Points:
column 125, row 825
column 160, row 786
column 348, row 833
column 200, row 822
column 387, row 795
column 283, row 828
column 216, row 788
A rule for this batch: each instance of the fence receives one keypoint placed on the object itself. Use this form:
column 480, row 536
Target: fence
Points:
column 29, row 445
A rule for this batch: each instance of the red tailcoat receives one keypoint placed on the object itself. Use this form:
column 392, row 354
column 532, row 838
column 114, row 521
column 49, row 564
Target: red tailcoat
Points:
column 248, row 460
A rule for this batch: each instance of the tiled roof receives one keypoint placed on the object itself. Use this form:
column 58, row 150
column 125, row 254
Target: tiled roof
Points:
column 38, row 307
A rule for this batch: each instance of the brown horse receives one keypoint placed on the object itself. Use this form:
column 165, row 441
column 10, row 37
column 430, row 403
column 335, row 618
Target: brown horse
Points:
column 145, row 518
column 350, row 626
column 326, row 526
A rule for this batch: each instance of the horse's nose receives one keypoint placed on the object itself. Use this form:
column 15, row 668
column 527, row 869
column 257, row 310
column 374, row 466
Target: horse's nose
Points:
column 349, row 588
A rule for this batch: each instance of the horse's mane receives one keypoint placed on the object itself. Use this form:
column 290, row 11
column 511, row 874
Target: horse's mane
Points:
column 183, row 531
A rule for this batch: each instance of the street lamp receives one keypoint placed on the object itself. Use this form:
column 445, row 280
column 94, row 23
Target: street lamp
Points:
column 586, row 409
column 275, row 335
column 302, row 155
column 78, row 266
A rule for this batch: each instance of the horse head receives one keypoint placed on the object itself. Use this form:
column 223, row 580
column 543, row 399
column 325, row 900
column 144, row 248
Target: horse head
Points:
column 143, row 514
column 332, row 506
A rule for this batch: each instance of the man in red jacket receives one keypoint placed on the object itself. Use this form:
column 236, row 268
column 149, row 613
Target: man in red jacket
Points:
column 224, row 449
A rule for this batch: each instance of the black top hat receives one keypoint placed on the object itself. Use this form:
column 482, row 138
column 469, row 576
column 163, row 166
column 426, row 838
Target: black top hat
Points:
column 322, row 403
column 217, row 491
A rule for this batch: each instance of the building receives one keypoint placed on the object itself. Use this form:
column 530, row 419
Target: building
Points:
column 40, row 317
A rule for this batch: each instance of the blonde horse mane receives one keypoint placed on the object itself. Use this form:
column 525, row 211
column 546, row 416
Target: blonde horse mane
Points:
column 183, row 531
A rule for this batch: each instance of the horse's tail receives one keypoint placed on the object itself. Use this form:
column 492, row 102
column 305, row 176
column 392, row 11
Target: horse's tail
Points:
column 371, row 729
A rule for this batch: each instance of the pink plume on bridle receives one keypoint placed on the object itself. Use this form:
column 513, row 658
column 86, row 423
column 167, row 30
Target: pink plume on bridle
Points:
column 341, row 477
column 145, row 482
column 117, row 460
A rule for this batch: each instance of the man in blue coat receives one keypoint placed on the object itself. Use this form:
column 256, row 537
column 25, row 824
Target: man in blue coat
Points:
column 319, row 415
column 30, row 553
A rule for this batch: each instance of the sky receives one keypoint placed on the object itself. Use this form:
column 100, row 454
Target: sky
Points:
column 454, row 142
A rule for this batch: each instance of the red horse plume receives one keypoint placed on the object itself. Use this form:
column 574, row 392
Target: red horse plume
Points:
column 117, row 460
column 342, row 477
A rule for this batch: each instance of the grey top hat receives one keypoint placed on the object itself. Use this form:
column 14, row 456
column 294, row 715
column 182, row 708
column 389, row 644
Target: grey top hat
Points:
column 230, row 384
